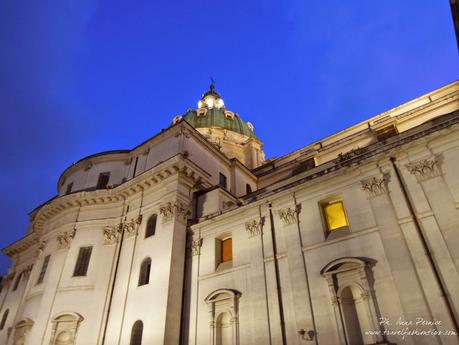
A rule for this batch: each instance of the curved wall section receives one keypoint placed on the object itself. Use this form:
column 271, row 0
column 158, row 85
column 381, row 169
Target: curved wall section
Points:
column 86, row 175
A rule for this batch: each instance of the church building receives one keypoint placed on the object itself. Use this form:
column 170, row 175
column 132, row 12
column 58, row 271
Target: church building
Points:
column 194, row 238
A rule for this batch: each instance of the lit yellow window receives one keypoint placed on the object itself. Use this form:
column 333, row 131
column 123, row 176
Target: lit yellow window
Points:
column 227, row 250
column 335, row 215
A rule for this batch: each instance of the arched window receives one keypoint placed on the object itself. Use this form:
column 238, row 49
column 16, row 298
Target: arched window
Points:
column 21, row 331
column 17, row 281
column 151, row 226
column 136, row 334
column 65, row 328
column 353, row 299
column 144, row 276
column 5, row 316
column 248, row 188
column 224, row 323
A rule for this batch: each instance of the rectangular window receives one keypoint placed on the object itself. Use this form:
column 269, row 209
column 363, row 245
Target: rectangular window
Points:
column 102, row 182
column 81, row 267
column 44, row 267
column 222, row 181
column 334, row 215
column 227, row 250
column 69, row 188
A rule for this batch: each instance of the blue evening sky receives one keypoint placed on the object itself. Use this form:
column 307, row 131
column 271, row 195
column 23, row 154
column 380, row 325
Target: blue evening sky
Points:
column 83, row 76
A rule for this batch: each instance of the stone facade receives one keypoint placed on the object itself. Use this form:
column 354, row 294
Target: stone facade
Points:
column 145, row 252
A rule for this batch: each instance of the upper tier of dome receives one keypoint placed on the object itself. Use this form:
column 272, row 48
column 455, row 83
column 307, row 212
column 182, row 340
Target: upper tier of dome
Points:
column 212, row 113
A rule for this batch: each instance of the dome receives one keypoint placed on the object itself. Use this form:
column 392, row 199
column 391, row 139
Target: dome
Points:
column 212, row 113
column 220, row 118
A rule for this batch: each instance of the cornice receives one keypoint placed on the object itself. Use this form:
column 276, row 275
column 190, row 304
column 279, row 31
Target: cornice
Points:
column 331, row 168
column 433, row 100
column 176, row 165
column 182, row 127
column 21, row 244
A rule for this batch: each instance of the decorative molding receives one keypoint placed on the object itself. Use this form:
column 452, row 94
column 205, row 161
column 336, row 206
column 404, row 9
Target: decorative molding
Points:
column 152, row 178
column 130, row 228
column 351, row 154
column 111, row 234
column 254, row 228
column 182, row 131
column 365, row 295
column 374, row 186
column 27, row 270
column 334, row 300
column 88, row 166
column 425, row 169
column 287, row 215
column 40, row 248
column 65, row 239
column 177, row 210
column 196, row 247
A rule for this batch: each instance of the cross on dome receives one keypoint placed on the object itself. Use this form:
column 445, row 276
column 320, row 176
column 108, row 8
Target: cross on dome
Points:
column 211, row 99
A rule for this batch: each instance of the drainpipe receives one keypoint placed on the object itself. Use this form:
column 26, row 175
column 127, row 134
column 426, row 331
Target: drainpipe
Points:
column 278, row 283
column 425, row 244
column 300, row 237
column 124, row 212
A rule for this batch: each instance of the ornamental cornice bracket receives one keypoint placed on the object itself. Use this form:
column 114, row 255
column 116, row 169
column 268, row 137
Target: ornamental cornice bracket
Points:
column 196, row 247
column 131, row 227
column 174, row 210
column 425, row 169
column 287, row 215
column 182, row 131
column 65, row 239
column 254, row 227
column 375, row 186
column 111, row 234
column 40, row 248
column 27, row 271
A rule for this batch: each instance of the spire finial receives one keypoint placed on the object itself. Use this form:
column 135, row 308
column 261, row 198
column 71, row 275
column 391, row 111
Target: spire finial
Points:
column 212, row 84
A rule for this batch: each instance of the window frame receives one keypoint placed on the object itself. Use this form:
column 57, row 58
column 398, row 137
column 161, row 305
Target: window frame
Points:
column 135, row 339
column 148, row 231
column 222, row 249
column 336, row 232
column 69, row 188
column 100, row 183
column 44, row 268
column 81, row 267
column 4, row 319
column 144, row 272
column 223, row 180
column 221, row 265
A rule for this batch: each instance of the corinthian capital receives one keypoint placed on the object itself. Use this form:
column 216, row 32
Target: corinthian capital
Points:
column 374, row 186
column 65, row 239
column 287, row 215
column 425, row 169
column 254, row 228
column 172, row 210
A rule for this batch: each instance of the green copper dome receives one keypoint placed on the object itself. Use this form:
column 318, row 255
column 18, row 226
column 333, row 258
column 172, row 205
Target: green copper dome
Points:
column 212, row 113
column 217, row 118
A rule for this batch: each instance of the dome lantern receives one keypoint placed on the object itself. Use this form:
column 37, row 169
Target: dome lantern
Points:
column 225, row 129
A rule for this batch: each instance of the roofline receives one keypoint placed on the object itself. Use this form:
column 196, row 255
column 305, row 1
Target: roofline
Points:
column 182, row 122
column 259, row 196
column 356, row 125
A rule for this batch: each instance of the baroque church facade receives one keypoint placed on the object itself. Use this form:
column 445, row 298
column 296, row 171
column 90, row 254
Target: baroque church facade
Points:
column 193, row 238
